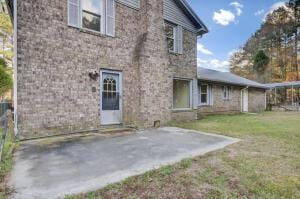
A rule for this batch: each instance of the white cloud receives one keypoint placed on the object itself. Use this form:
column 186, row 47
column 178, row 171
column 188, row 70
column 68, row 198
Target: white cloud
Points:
column 223, row 17
column 259, row 12
column 238, row 7
column 202, row 49
column 214, row 64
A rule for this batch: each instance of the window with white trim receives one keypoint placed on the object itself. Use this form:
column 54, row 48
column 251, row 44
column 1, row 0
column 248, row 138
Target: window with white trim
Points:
column 226, row 92
column 174, row 35
column 204, row 94
column 95, row 15
column 182, row 94
column 91, row 14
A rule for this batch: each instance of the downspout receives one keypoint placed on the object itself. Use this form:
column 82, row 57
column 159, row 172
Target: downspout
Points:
column 15, row 65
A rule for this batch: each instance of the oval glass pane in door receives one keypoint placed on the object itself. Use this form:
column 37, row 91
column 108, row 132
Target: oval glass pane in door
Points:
column 110, row 93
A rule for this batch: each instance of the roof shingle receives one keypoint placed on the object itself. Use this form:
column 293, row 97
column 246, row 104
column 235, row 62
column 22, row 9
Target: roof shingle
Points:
column 227, row 77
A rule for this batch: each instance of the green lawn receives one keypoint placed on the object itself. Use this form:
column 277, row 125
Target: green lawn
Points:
column 265, row 164
column 7, row 161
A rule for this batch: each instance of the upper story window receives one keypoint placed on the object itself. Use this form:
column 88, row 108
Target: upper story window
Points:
column 170, row 31
column 174, row 35
column 95, row 15
column 91, row 14
column 226, row 92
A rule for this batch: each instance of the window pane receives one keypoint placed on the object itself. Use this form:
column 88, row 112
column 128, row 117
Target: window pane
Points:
column 171, row 44
column 110, row 96
column 170, row 36
column 110, row 101
column 91, row 21
column 226, row 92
column 204, row 89
column 93, row 6
column 203, row 98
column 170, row 31
column 181, row 94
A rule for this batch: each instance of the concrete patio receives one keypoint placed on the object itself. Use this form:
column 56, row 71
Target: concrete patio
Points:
column 53, row 169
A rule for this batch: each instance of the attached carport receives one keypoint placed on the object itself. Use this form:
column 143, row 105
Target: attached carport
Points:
column 285, row 94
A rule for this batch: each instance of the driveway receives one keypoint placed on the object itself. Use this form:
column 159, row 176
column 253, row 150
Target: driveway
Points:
column 53, row 169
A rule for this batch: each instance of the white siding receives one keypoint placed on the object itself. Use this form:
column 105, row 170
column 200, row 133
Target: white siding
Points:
column 131, row 3
column 174, row 14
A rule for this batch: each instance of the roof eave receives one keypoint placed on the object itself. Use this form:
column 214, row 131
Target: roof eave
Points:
column 203, row 29
column 233, row 83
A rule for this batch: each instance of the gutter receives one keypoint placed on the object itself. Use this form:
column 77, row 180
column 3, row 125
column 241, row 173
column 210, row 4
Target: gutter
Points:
column 233, row 83
column 245, row 88
column 191, row 12
column 15, row 66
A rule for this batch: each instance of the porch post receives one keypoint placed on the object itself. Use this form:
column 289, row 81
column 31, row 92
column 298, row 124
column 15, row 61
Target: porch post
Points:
column 275, row 96
column 292, row 95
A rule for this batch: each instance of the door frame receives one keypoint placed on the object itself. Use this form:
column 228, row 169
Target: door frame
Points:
column 243, row 100
column 120, row 93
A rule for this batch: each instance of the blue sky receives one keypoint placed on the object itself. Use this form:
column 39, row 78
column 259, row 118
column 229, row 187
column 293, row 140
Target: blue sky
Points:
column 231, row 23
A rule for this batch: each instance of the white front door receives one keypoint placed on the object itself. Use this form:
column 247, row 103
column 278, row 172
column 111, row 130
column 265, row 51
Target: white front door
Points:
column 244, row 100
column 111, row 92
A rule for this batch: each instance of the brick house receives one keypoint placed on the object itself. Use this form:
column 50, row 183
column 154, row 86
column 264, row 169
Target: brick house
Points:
column 224, row 93
column 82, row 64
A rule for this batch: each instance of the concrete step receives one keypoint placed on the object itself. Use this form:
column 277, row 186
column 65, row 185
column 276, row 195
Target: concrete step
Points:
column 115, row 129
column 104, row 131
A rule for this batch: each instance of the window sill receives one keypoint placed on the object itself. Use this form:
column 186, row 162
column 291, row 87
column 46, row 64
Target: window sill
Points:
column 204, row 105
column 91, row 32
column 182, row 110
column 175, row 53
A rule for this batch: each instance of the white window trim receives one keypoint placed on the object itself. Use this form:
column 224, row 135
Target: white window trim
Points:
column 191, row 95
column 175, row 38
column 208, row 95
column 226, row 89
column 102, row 17
column 103, row 25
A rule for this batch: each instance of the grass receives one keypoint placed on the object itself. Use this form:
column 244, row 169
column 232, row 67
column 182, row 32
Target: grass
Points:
column 7, row 162
column 265, row 164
